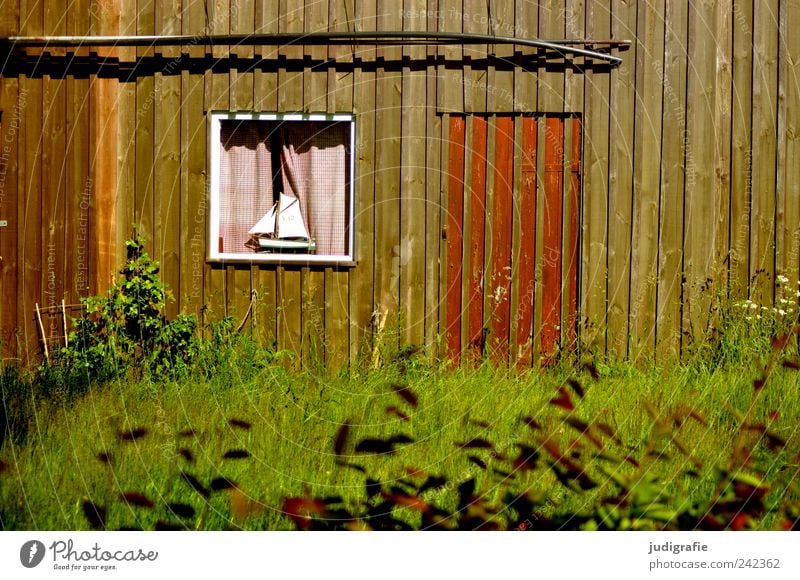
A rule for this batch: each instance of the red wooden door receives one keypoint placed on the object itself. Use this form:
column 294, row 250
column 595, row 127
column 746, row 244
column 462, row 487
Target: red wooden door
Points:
column 512, row 236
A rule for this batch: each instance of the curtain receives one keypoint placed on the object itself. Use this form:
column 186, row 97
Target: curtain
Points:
column 314, row 170
column 245, row 181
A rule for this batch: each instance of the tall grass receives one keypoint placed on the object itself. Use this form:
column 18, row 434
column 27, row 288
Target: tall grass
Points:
column 168, row 440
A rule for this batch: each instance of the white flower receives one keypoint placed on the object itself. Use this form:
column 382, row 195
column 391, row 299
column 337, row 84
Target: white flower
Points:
column 748, row 318
column 782, row 279
column 783, row 301
column 758, row 317
column 764, row 308
column 798, row 294
column 753, row 305
column 782, row 312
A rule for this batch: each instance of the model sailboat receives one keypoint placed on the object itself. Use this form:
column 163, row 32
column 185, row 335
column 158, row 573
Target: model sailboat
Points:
column 282, row 229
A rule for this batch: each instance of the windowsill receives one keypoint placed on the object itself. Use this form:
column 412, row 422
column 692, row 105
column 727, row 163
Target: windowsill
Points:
column 285, row 262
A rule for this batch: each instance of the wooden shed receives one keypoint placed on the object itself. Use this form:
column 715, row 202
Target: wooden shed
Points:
column 468, row 190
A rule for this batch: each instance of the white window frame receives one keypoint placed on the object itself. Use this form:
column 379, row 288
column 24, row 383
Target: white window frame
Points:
column 215, row 121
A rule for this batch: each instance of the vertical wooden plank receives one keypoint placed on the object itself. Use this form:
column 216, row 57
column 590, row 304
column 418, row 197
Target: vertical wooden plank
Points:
column 217, row 98
column 526, row 18
column 265, row 87
column 239, row 294
column 475, row 75
column 455, row 209
column 290, row 98
column 53, row 183
column 647, row 145
column 433, row 195
column 765, row 112
column 412, row 204
column 552, row 248
column 10, row 127
column 789, row 132
column 700, row 223
column 500, row 81
column 145, row 131
column 167, row 142
column 721, row 200
column 30, row 182
column 315, row 99
column 193, row 186
column 594, row 267
column 126, row 140
column 621, row 159
column 337, row 281
column 387, row 174
column 450, row 93
column 570, row 315
column 670, row 259
column 527, row 243
column 500, row 273
column 79, row 184
column 741, row 144
column 362, row 303
column 476, row 241
column 575, row 16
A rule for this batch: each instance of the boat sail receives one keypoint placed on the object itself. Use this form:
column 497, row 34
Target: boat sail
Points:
column 281, row 229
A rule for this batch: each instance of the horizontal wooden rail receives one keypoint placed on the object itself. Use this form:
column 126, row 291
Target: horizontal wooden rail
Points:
column 562, row 46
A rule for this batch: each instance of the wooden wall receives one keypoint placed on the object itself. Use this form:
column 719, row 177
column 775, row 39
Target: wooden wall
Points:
column 690, row 161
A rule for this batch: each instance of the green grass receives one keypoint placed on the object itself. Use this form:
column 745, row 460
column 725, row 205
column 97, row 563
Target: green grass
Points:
column 53, row 467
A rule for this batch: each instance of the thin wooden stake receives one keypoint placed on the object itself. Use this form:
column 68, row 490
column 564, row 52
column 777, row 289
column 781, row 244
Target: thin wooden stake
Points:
column 41, row 329
column 64, row 320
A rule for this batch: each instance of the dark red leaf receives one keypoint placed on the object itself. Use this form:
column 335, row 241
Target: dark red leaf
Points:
column 221, row 484
column 774, row 415
column 595, row 374
column 781, row 342
column 563, row 400
column 377, row 446
column 394, row 410
column 340, row 440
column 194, row 483
column 301, row 510
column 532, row 423
column 182, row 510
column 476, row 443
column 791, row 364
column 95, row 515
column 236, row 454
column 137, row 499
column 240, row 423
column 133, row 434
column 372, row 487
column 406, row 394
column 162, row 526
column 186, row 454
column 576, row 386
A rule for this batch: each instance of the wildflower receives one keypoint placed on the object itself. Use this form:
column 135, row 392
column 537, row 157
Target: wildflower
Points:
column 763, row 308
column 783, row 301
column 758, row 317
column 753, row 305
column 798, row 293
column 782, row 279
column 748, row 318
column 782, row 312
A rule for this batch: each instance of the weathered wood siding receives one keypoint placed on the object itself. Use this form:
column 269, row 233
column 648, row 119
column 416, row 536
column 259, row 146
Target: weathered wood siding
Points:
column 682, row 181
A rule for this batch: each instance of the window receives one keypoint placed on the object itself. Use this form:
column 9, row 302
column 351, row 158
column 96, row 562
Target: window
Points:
column 281, row 187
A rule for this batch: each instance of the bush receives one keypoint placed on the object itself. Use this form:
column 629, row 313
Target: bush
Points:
column 126, row 330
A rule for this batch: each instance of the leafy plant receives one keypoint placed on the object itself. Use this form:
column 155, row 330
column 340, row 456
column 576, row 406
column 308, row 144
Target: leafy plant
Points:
column 126, row 329
column 520, row 485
